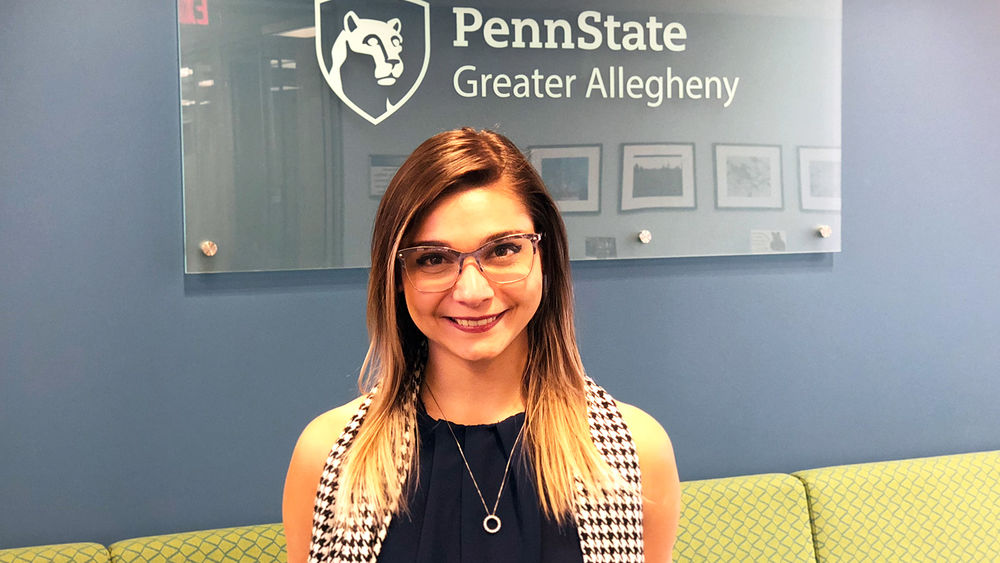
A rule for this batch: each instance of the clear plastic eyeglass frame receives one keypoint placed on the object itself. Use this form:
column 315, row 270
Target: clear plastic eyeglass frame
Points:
column 460, row 257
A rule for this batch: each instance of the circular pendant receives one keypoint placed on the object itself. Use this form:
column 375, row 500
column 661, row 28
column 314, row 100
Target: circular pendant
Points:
column 491, row 523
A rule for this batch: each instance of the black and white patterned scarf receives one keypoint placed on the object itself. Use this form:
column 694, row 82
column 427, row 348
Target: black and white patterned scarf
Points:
column 610, row 528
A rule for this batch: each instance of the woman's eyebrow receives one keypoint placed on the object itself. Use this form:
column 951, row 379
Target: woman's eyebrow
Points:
column 427, row 243
column 483, row 241
column 501, row 234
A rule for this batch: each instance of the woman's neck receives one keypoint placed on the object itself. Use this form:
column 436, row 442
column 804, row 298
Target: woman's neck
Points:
column 472, row 393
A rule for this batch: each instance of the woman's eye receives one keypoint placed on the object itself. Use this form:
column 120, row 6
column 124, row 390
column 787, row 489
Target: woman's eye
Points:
column 508, row 249
column 429, row 260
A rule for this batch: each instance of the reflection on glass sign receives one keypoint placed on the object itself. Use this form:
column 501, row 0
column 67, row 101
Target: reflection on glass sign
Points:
column 662, row 128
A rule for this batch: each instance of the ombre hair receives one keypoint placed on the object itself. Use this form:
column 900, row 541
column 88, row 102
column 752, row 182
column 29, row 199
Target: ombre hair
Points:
column 557, row 437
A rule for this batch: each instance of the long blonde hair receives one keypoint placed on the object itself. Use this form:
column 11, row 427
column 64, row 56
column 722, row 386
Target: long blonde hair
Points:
column 557, row 437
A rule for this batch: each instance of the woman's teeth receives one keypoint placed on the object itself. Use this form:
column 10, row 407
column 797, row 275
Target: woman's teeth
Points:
column 480, row 322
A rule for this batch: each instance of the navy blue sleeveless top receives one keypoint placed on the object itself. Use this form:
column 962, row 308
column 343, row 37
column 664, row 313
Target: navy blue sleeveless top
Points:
column 445, row 520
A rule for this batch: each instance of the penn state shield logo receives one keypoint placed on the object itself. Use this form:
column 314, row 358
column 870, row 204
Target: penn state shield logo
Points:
column 373, row 53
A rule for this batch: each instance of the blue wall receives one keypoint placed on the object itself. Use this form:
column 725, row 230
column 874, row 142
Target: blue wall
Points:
column 135, row 400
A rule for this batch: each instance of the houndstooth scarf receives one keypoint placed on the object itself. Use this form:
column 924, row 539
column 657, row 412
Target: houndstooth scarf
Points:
column 610, row 529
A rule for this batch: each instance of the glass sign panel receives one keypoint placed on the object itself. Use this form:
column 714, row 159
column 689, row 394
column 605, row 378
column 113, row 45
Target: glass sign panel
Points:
column 662, row 128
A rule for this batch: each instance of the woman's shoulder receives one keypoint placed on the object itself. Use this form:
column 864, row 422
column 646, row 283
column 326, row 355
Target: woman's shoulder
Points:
column 651, row 440
column 336, row 418
column 319, row 436
column 304, row 473
column 643, row 426
column 327, row 427
column 661, row 488
column 656, row 452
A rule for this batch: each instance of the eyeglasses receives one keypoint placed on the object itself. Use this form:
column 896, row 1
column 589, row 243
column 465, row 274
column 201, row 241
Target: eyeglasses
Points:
column 433, row 269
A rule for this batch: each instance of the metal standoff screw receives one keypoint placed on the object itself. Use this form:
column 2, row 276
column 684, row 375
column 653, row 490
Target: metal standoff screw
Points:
column 824, row 231
column 208, row 248
column 645, row 236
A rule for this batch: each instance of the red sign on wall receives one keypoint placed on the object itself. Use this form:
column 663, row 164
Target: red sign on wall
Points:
column 194, row 12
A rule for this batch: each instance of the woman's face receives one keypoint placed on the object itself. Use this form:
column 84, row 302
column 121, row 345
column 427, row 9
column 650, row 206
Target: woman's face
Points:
column 476, row 320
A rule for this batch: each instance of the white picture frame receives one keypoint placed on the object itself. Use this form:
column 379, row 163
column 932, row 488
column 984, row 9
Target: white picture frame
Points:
column 748, row 176
column 381, row 169
column 819, row 178
column 658, row 176
column 572, row 174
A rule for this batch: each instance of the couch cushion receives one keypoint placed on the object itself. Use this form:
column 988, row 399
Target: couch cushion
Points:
column 264, row 542
column 930, row 509
column 62, row 553
column 752, row 518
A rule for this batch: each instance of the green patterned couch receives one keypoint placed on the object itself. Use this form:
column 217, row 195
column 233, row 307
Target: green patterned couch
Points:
column 930, row 509
column 940, row 509
column 264, row 542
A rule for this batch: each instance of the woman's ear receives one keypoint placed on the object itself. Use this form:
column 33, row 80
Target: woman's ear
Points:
column 398, row 277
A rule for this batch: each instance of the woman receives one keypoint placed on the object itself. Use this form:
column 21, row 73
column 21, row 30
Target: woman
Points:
column 480, row 438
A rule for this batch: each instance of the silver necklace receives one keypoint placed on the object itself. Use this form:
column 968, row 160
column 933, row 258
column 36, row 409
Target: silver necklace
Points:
column 491, row 523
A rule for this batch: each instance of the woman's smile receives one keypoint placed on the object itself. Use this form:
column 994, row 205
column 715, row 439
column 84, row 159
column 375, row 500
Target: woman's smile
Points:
column 476, row 324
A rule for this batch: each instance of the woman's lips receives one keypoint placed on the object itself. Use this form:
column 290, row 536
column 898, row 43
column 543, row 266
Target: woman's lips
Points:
column 475, row 324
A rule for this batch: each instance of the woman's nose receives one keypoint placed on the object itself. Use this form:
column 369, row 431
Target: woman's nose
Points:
column 471, row 285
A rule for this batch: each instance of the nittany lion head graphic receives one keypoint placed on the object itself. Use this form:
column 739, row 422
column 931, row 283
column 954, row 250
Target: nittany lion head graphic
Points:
column 366, row 59
column 377, row 39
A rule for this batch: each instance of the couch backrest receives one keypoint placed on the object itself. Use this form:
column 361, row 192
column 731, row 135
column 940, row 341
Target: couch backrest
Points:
column 931, row 509
column 752, row 518
column 263, row 543
column 63, row 553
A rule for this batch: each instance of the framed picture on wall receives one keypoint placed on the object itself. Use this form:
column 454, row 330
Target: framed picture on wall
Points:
column 819, row 178
column 748, row 176
column 657, row 175
column 381, row 169
column 572, row 174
